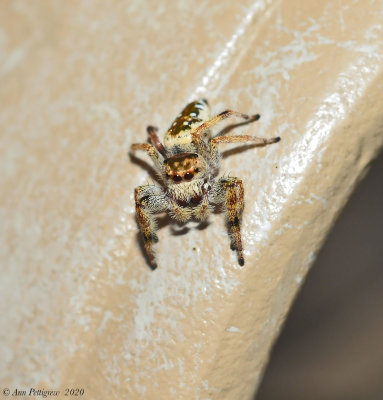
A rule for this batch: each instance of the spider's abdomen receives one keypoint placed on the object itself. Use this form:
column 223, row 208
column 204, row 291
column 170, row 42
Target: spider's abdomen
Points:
column 192, row 116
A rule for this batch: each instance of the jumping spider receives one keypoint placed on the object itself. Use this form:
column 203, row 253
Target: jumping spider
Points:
column 188, row 164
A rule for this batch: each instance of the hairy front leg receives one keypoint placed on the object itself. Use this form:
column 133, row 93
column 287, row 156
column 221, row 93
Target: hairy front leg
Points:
column 149, row 200
column 230, row 193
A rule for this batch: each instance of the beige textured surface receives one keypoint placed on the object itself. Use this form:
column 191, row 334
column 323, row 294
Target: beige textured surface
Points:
column 79, row 84
column 333, row 333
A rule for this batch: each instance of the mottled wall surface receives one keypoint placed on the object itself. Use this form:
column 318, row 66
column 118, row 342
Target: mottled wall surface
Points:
column 79, row 83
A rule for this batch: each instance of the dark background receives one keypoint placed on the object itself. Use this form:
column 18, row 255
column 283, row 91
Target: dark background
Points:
column 331, row 347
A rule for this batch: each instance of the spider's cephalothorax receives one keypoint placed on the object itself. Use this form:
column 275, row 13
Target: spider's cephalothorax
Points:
column 188, row 163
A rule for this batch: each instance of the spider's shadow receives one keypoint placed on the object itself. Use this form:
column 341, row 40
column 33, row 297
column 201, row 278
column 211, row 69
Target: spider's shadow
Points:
column 146, row 166
column 240, row 149
column 163, row 221
column 229, row 128
column 183, row 229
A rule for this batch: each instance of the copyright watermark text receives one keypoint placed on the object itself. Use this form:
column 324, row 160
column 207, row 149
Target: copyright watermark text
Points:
column 43, row 393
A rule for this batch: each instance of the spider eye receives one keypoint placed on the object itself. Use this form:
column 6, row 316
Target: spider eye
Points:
column 177, row 178
column 196, row 170
column 188, row 176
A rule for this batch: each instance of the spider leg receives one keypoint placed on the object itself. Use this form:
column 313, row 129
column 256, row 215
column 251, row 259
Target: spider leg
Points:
column 223, row 115
column 229, row 192
column 152, row 131
column 152, row 152
column 149, row 199
column 197, row 135
column 214, row 154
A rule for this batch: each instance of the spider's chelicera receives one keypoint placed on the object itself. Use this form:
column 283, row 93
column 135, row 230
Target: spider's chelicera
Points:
column 188, row 163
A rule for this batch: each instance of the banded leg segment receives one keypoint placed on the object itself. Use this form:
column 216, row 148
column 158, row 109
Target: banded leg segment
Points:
column 230, row 190
column 149, row 200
